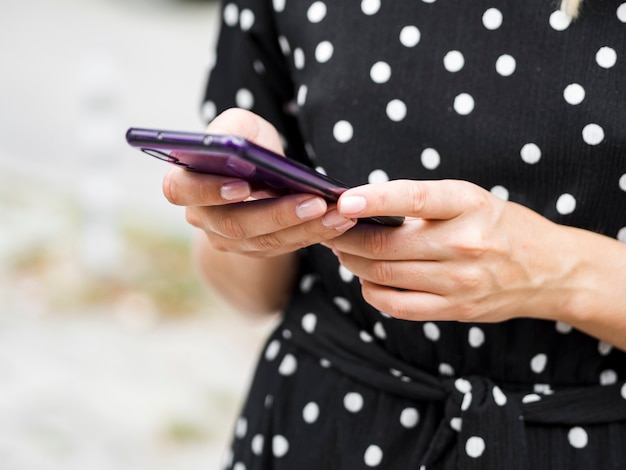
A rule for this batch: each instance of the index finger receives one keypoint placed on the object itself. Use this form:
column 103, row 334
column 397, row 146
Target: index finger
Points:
column 435, row 200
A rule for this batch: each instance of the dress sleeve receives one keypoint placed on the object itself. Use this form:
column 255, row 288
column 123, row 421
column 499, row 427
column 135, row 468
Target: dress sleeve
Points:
column 251, row 71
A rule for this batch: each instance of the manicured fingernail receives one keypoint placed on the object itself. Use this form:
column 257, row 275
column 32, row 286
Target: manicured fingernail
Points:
column 333, row 220
column 353, row 204
column 235, row 190
column 310, row 208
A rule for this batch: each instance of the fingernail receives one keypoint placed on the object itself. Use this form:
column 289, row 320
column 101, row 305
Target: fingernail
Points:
column 310, row 208
column 334, row 220
column 235, row 190
column 353, row 204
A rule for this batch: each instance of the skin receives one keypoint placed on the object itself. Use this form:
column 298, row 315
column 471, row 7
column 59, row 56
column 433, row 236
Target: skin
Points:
column 462, row 254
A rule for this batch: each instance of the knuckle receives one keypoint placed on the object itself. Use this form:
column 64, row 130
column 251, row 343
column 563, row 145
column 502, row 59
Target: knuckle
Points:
column 192, row 217
column 230, row 226
column 417, row 195
column 269, row 242
column 375, row 242
column 383, row 272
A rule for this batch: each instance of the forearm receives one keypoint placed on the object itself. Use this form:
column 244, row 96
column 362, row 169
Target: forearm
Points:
column 251, row 285
column 597, row 304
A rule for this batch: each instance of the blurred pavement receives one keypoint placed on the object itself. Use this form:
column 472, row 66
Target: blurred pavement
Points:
column 112, row 356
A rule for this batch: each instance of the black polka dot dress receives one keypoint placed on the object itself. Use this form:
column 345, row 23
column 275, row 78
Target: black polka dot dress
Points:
column 511, row 95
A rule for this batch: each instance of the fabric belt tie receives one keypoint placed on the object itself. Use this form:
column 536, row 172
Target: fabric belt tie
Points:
column 476, row 410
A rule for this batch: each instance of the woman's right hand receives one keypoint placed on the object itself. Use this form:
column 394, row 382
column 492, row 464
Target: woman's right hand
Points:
column 233, row 220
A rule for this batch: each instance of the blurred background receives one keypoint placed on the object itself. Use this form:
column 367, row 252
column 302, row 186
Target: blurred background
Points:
column 112, row 355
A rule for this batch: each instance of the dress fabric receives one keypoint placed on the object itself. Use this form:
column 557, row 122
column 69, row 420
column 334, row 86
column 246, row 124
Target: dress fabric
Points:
column 510, row 95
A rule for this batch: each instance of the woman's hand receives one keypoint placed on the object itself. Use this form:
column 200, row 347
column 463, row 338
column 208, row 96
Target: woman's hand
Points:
column 246, row 250
column 463, row 254
column 257, row 227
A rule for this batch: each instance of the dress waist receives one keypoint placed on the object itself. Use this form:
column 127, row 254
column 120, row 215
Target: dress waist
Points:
column 478, row 411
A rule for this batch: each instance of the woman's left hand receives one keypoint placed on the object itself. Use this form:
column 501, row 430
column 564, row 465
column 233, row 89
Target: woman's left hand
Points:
column 462, row 253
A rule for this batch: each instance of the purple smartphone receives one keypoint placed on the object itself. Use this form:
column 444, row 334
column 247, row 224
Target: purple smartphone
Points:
column 230, row 155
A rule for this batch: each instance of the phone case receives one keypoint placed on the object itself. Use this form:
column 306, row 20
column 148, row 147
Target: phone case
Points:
column 230, row 155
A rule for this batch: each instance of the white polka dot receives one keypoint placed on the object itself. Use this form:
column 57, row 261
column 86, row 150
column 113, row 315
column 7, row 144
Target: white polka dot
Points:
column 463, row 385
column 593, row 134
column 622, row 182
column 545, row 389
column 365, row 336
column 500, row 192
column 492, row 19
column 298, row 58
column 606, row 57
column 428, row 1
column 446, row 369
column 505, row 65
column 623, row 391
column 324, row 51
column 395, row 372
column 410, row 36
column 604, row 348
column 475, row 446
column 621, row 235
column 530, row 153
column 345, row 274
column 453, row 61
column 608, row 377
column 498, row 396
column 563, row 328
column 476, row 337
column 246, row 19
column 311, row 412
column 538, row 363
column 574, row 94
column 302, row 93
column 379, row 330
column 577, row 437
column 342, row 131
column 269, row 401
column 531, row 398
column 239, row 466
column 378, row 176
column 316, row 12
column 209, row 110
column 559, row 21
column 309, row 322
column 244, row 98
column 325, row 363
column 284, row 45
column 621, row 12
column 380, row 72
column 231, row 14
column 464, row 104
column 286, row 334
column 344, row 304
column 396, row 110
column 456, row 423
column 353, row 402
column 370, row 7
column 280, row 446
column 241, row 427
column 373, row 456
column 430, row 158
column 279, row 5
column 565, row 204
column 257, row 444
column 259, row 67
column 288, row 365
column 227, row 461
column 307, row 282
column 431, row 331
column 409, row 417
column 272, row 350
